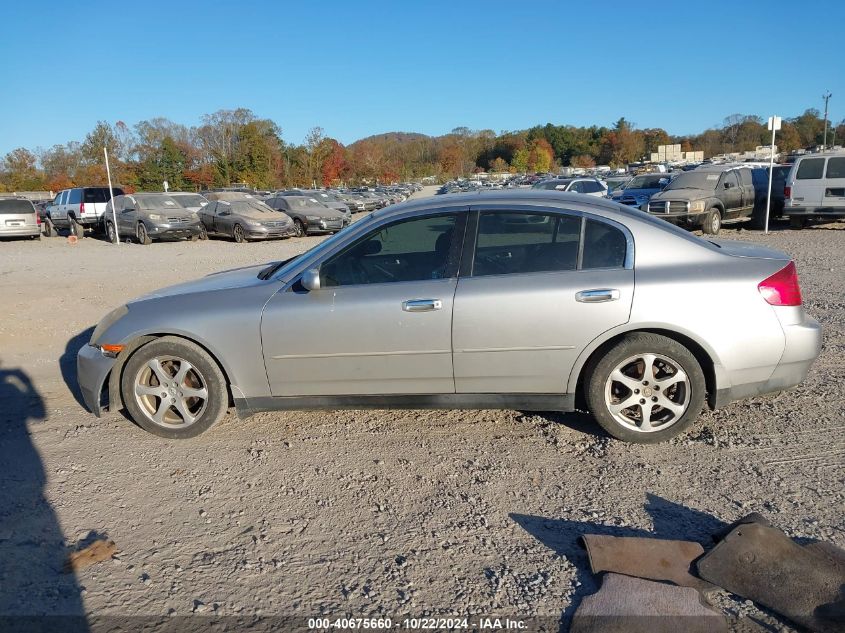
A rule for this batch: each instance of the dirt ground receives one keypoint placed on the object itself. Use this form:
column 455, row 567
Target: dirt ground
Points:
column 360, row 513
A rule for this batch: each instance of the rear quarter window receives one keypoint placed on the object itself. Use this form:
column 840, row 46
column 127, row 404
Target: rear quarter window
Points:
column 810, row 169
column 605, row 246
column 75, row 196
column 836, row 167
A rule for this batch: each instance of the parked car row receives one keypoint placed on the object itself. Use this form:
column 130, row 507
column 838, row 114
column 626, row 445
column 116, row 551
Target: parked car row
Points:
column 235, row 212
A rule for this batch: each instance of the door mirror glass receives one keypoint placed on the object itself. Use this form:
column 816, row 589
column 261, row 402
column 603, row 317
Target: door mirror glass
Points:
column 311, row 279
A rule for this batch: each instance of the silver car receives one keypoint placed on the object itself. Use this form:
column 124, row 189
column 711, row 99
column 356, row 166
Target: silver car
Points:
column 532, row 300
column 19, row 218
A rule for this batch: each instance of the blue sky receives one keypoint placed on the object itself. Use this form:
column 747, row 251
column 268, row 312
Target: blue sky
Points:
column 360, row 68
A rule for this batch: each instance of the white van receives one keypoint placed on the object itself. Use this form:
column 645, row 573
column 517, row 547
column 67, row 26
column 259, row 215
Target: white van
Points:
column 815, row 188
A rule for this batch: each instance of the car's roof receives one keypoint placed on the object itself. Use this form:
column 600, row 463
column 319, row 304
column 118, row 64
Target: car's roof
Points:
column 720, row 168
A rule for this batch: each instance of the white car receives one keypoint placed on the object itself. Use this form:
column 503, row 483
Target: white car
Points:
column 588, row 186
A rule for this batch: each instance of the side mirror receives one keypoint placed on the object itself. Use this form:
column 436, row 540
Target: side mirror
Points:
column 311, row 279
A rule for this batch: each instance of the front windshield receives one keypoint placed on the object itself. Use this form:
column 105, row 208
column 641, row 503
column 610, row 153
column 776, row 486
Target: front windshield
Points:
column 648, row 181
column 694, row 180
column 241, row 206
column 154, row 202
column 301, row 202
column 190, row 200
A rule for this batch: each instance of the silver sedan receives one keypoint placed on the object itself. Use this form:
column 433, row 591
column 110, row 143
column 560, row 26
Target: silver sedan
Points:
column 532, row 300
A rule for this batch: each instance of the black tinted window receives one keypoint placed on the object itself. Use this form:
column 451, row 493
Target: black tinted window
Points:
column 15, row 205
column 410, row 250
column 100, row 194
column 745, row 177
column 836, row 167
column 810, row 169
column 511, row 243
column 591, row 187
column 604, row 246
column 75, row 196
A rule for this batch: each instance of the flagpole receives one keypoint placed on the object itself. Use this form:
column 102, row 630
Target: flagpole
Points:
column 111, row 195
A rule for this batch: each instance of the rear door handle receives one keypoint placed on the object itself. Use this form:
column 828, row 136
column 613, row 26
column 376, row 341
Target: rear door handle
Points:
column 598, row 295
column 421, row 305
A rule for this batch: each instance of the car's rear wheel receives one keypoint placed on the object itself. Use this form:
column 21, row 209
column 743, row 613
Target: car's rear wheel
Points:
column 111, row 234
column 647, row 388
column 174, row 388
column 300, row 228
column 239, row 234
column 142, row 235
column 797, row 222
column 712, row 222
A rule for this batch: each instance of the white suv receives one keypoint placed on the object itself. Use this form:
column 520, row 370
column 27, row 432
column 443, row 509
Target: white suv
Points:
column 78, row 208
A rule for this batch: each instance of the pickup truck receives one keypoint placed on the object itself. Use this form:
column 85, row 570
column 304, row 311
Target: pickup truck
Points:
column 706, row 197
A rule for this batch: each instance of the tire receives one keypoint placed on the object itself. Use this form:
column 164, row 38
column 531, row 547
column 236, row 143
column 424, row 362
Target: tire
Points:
column 203, row 233
column 239, row 234
column 712, row 222
column 620, row 376
column 37, row 237
column 301, row 231
column 184, row 416
column 49, row 228
column 797, row 222
column 76, row 228
column 142, row 235
column 111, row 234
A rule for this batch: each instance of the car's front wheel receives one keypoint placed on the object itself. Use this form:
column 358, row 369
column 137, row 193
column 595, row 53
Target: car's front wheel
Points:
column 111, row 233
column 645, row 389
column 239, row 234
column 142, row 235
column 300, row 228
column 712, row 222
column 173, row 388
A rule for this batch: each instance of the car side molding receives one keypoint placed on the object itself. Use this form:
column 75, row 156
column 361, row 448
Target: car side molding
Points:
column 565, row 402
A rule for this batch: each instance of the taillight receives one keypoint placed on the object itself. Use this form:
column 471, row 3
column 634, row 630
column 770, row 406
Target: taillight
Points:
column 81, row 208
column 782, row 289
column 37, row 218
column 787, row 191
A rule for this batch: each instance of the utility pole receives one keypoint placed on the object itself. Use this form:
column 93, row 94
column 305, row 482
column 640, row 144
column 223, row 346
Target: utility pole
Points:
column 826, row 98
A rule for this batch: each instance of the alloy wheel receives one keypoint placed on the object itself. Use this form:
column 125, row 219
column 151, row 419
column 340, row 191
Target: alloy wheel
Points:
column 647, row 392
column 171, row 392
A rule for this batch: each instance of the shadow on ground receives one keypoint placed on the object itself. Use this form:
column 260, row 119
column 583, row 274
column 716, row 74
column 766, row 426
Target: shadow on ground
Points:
column 33, row 552
column 670, row 521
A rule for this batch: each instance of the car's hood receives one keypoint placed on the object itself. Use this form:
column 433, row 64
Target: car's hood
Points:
column 683, row 194
column 236, row 278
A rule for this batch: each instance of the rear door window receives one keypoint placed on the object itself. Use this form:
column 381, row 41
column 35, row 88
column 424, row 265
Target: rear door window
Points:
column 516, row 243
column 836, row 167
column 810, row 169
column 75, row 196
column 589, row 186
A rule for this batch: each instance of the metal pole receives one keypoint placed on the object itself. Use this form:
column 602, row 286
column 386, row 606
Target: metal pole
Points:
column 111, row 195
column 771, row 169
column 826, row 98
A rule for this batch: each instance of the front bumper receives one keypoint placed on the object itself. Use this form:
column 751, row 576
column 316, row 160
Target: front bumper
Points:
column 323, row 226
column 174, row 230
column 255, row 233
column 92, row 371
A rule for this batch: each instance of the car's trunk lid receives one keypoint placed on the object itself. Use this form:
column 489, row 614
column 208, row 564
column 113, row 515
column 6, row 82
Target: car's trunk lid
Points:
column 749, row 249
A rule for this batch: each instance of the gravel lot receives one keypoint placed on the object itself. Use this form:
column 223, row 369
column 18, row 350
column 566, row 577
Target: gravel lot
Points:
column 383, row 513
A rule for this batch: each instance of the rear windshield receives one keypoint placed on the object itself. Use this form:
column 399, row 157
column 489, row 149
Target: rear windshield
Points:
column 16, row 206
column 100, row 194
column 240, row 206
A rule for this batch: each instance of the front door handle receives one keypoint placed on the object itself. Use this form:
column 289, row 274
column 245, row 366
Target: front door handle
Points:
column 421, row 305
column 598, row 295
